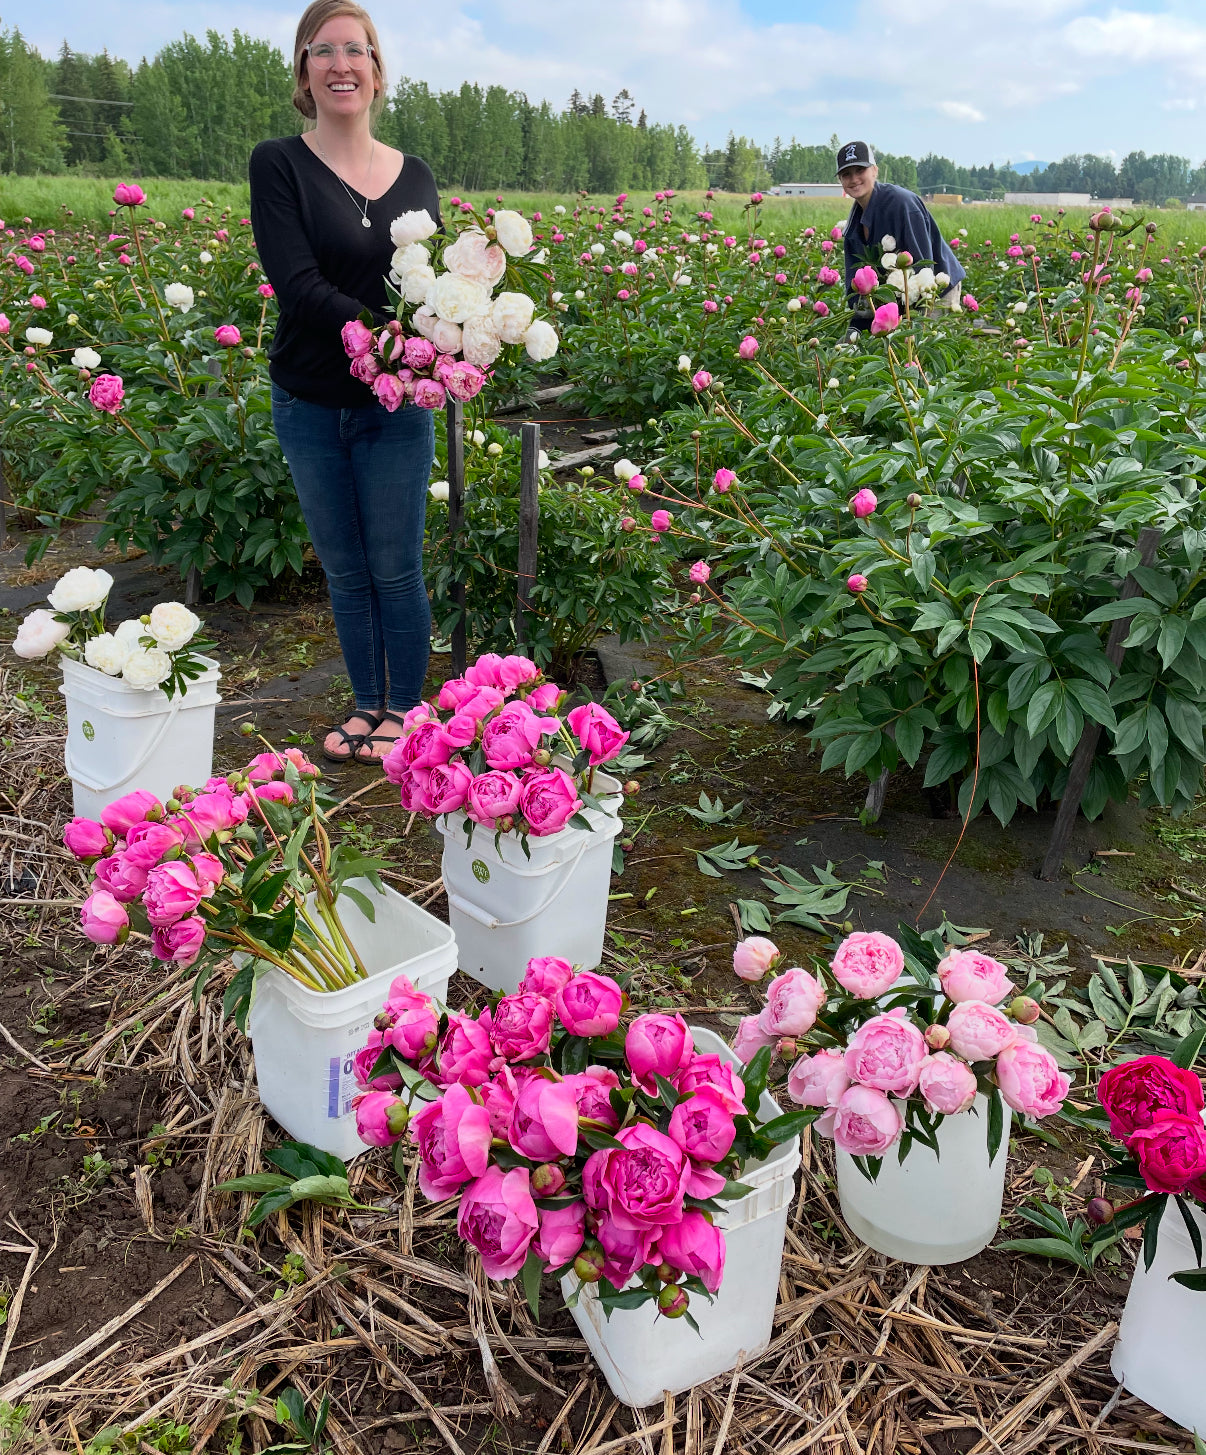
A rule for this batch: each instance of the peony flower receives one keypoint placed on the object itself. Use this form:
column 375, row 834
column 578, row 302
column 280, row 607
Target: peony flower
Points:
column 521, row 1026
column 968, row 975
column 589, row 1004
column 701, row 381
column 147, row 668
column 695, row 1246
column 544, row 1123
column 750, row 1038
column 453, row 1138
column 480, row 342
column 865, row 280
column 561, row 1235
column 886, row 1053
column 512, row 316
column 598, row 732
column 227, row 336
column 474, row 257
column 865, row 1122
column 546, row 975
column 492, row 796
column 703, row 1127
column 792, row 1002
column 857, row 583
column 1171, row 1152
column 178, row 295
column 172, row 625
column 381, row 1118
column 863, row 504
column 753, row 957
column 819, row 1079
column 411, row 227
column 724, row 480
column 87, row 839
column 107, row 392
column 720, row 1077
column 172, row 891
column 514, row 232
column 947, row 1085
column 132, row 808
column 657, row 1045
column 457, row 299
column 886, row 318
column 39, row 634
column 867, row 964
column 415, row 282
column 447, row 338
column 366, row 1058
column 103, row 919
column 699, row 572
column 548, row 800
column 81, row 589
column 1134, row 1093
column 540, row 340
column 129, row 194
column 660, row 520
column 639, row 1185
column 41, row 336
column 979, row 1031
column 180, row 943
column 85, row 358
column 748, row 347
column 106, row 654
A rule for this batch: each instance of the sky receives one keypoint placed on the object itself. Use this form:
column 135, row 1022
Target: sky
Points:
column 974, row 80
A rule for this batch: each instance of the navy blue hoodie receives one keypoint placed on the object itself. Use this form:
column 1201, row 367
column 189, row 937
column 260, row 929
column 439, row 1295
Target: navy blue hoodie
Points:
column 900, row 214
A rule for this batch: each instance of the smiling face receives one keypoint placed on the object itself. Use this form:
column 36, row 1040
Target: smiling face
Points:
column 344, row 88
column 858, row 182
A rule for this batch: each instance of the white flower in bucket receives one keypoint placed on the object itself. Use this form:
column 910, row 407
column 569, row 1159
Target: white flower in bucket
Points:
column 147, row 667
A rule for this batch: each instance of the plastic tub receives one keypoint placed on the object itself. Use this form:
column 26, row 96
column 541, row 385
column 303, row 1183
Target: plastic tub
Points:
column 506, row 908
column 1160, row 1352
column 120, row 737
column 928, row 1209
column 304, row 1040
column 643, row 1356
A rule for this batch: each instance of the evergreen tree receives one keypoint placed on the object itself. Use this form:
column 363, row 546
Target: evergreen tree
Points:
column 621, row 106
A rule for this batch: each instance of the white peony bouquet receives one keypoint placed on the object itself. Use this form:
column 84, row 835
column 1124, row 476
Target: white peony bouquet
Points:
column 157, row 650
column 451, row 325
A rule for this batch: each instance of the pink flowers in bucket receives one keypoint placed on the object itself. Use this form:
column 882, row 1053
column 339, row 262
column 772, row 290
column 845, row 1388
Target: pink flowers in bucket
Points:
column 895, row 1043
column 486, row 748
column 574, row 1145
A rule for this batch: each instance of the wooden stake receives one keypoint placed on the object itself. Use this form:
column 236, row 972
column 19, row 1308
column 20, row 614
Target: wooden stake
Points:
column 529, row 522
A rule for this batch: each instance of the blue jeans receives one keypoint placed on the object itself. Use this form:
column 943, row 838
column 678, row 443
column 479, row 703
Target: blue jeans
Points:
column 361, row 477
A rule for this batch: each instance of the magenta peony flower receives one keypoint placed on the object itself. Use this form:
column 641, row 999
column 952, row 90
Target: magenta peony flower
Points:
column 129, row 194
column 857, row 583
column 625, row 1249
column 465, row 1051
column 865, row 1122
column 863, row 504
column 589, row 1004
column 381, row 1118
column 948, row 1085
column 979, row 1031
column 357, row 339
column 172, row 891
column 748, row 346
column 865, row 280
column 521, row 1026
column 827, row 277
column 266, row 290
column 819, row 1079
column 886, row 318
column 103, row 919
column 444, row 789
column 562, row 1233
column 1171, row 1152
column 122, row 876
column 968, row 975
column 492, row 796
column 701, row 380
column 598, row 732
column 724, row 480
column 703, row 1126
column 415, row 1029
column 694, row 1246
column 886, row 1053
column 548, row 800
column 1136, row 1092
column 660, row 520
column 641, row 1184
column 107, row 393
column 753, row 957
column 87, row 839
column 867, row 964
column 227, row 336
column 366, row 1058
column 453, row 1138
column 821, row 308
column 546, row 975
column 699, row 572
column 657, row 1044
column 181, row 942
column 510, row 739
column 792, row 1002
column 544, row 1123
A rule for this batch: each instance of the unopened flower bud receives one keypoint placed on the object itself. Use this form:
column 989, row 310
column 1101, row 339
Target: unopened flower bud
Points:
column 172, row 805
column 627, row 846
column 247, row 729
column 904, row 259
column 85, row 375
column 542, row 757
column 787, row 1048
column 673, row 1301
column 666, row 1273
column 631, row 788
column 695, row 598
column 588, row 1265
column 1099, row 1210
column 627, row 524
column 914, row 501
column 1025, row 1009
column 547, row 1180
column 937, row 1038
column 397, row 1118
column 383, row 1020
column 394, row 327
column 1149, row 228
column 695, row 434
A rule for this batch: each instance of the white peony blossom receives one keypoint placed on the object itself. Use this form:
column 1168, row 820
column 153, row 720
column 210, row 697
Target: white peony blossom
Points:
column 424, row 321
column 475, row 257
column 456, row 299
column 173, row 625
column 557, row 297
column 106, row 654
column 1020, row 306
column 447, row 337
column 415, row 282
column 680, row 279
column 511, row 315
column 888, row 260
column 494, row 448
column 438, row 490
column 684, row 363
column 943, row 280
column 413, row 255
column 85, row 358
column 622, row 238
column 478, row 437
column 81, row 589
column 888, row 243
column 559, row 210
column 963, row 232
column 39, row 634
column 540, row 340
column 926, row 280
column 147, row 667
column 39, row 336
column 542, row 461
column 411, row 227
column 625, row 469
column 541, row 257
column 130, row 633
column 598, row 249
column 793, row 305
column 178, row 295
column 514, row 233
column 204, row 257
column 579, row 294
column 480, row 344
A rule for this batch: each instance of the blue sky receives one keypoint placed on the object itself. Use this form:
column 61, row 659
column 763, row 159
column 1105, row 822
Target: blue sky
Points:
column 976, row 80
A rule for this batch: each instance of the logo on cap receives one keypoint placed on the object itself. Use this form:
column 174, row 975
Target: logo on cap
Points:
column 851, row 151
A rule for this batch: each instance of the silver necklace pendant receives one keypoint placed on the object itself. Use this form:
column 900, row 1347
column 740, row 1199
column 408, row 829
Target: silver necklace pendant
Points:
column 364, row 222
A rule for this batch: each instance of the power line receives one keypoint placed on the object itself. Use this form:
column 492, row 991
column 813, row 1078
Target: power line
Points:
column 91, row 100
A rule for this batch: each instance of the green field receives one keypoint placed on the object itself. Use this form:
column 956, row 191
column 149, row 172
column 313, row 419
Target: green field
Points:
column 46, row 201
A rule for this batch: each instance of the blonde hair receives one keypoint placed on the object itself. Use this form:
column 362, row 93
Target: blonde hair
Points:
column 315, row 17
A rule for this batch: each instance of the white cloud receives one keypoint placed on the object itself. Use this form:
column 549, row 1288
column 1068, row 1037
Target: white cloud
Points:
column 960, row 111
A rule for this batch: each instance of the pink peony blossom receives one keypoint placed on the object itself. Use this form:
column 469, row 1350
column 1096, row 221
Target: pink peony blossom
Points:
column 979, row 1031
column 703, row 1126
column 948, row 1085
column 819, row 1079
column 724, row 480
column 886, row 1053
column 821, row 308
column 381, row 1118
column 660, row 520
column 753, row 957
column 266, row 290
column 1030, row 1080
column 865, row 280
column 589, row 1004
column 867, row 964
column 87, row 839
column 750, row 1039
column 544, row 1122
column 748, row 347
column 123, row 813
column 657, row 1045
column 453, row 1138
column 172, row 891
column 701, row 380
column 1135, row 1092
column 129, row 194
column 792, row 1002
column 968, row 975
column 865, row 1122
column 827, row 277
column 695, row 1246
column 445, row 788
column 366, row 1058
column 546, row 975
column 699, row 572
column 107, row 392
column 103, row 919
column 415, row 1029
column 179, row 943
column 465, row 1052
column 498, row 1217
column 227, row 336
column 625, row 1248
column 857, row 583
column 863, row 504
column 357, row 339
column 886, row 318
column 641, row 1184
column 706, row 1069
column 548, row 800
column 1171, row 1152
column 593, row 1088
column 562, row 1233
column 493, row 796
column 521, row 1026
column 390, row 390
column 598, row 732
column 510, row 739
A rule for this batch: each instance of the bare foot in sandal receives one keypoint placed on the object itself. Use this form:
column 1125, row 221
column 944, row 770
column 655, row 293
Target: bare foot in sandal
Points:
column 375, row 746
column 341, row 743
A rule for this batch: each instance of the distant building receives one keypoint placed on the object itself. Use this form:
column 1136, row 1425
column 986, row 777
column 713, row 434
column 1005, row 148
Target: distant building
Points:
column 807, row 189
column 1064, row 199
column 939, row 198
column 1196, row 203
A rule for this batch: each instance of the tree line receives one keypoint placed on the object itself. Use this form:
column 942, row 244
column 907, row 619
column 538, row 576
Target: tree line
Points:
column 196, row 109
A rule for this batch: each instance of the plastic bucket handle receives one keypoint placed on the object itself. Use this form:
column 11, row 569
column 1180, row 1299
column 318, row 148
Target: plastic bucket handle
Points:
column 77, row 775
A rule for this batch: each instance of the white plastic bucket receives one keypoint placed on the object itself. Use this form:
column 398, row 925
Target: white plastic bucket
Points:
column 643, row 1356
column 506, row 908
column 120, row 738
column 304, row 1040
column 928, row 1209
column 1160, row 1352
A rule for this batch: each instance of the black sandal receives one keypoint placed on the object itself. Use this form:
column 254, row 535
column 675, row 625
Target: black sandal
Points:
column 353, row 740
column 370, row 738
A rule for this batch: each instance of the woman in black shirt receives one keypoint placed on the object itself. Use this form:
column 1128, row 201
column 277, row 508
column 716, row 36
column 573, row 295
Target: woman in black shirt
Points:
column 321, row 207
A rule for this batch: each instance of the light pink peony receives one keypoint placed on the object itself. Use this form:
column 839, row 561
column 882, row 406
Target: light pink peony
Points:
column 589, row 1004
column 968, row 975
column 867, row 964
column 357, row 339
column 475, row 257
column 865, row 1122
column 979, row 1031
column 792, row 1002
column 1030, row 1080
column 365, row 368
column 453, row 1138
column 657, row 1045
column 429, row 394
column 390, row 391
column 886, row 1053
column 819, row 1079
column 103, row 919
column 548, row 801
column 498, row 1217
column 754, row 956
column 39, row 634
column 750, row 1039
column 947, row 1085
column 492, row 796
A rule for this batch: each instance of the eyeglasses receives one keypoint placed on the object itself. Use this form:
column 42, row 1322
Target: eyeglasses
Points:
column 356, row 53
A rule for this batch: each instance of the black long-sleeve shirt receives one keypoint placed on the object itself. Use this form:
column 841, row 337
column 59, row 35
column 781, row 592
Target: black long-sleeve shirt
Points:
column 324, row 264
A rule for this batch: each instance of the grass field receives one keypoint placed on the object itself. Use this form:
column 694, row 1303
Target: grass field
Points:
column 44, row 200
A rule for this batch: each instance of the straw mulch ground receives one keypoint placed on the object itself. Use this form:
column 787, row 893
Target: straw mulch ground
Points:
column 135, row 1302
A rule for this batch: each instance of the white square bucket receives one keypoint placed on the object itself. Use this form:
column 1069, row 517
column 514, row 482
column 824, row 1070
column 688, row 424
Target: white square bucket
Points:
column 304, row 1040
column 643, row 1356
column 120, row 738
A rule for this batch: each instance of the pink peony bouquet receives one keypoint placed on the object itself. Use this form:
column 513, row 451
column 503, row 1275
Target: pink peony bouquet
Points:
column 492, row 746
column 240, row 865
column 156, row 650
column 451, row 326
column 882, row 1046
column 573, row 1142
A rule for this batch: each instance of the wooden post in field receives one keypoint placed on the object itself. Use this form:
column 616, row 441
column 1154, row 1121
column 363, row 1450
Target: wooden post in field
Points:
column 529, row 521
column 1082, row 758
column 455, row 419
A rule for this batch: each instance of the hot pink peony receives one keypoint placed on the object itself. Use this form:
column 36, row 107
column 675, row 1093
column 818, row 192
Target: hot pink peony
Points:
column 867, row 964
column 699, row 572
column 865, row 1122
column 948, row 1085
column 863, row 504
column 968, row 975
column 179, row 943
column 562, row 1233
column 453, row 1138
column 886, row 318
column 857, row 583
column 129, row 194
column 492, row 796
column 429, row 394
column 103, row 919
column 415, row 1030
column 865, row 280
column 1136, row 1092
column 521, row 1026
column 465, row 1052
column 589, row 1004
column 1171, row 1152
column 641, row 1184
column 1030, row 1080
column 694, row 1246
column 390, row 391
column 107, row 393
column 703, row 1126
column 445, row 788
column 886, row 1053
column 357, row 339
column 172, row 891
column 544, row 1123
column 381, row 1118
column 498, row 1217
column 366, row 1058
column 660, row 520
column 748, row 346
column 87, row 839
column 227, row 336
column 706, row 1069
column 979, row 1031
column 625, row 1248
column 548, row 801
column 701, row 380
column 510, row 739
column 546, row 975
column 657, row 1045
column 598, row 732
column 792, row 1002
column 724, row 480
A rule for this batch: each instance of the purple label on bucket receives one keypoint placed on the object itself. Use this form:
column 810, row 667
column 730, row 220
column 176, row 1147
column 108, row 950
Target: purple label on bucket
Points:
column 341, row 1085
column 333, row 1080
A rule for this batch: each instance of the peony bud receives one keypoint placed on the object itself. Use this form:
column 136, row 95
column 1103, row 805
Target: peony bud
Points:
column 1099, row 1210
column 937, row 1038
column 506, row 823
column 1024, row 1009
column 547, row 1180
column 588, row 1265
column 397, row 1118
column 247, row 729
column 631, row 788
column 914, row 501
column 673, row 1301
column 542, row 757
column 787, row 1048
column 904, row 259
